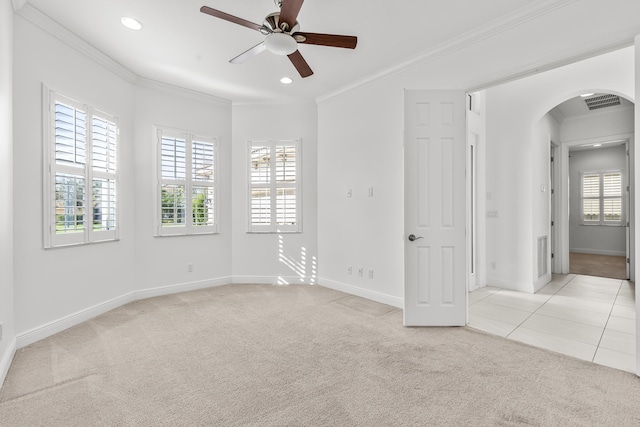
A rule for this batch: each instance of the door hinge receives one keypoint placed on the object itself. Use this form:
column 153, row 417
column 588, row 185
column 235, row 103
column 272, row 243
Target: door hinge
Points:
column 553, row 191
column 553, row 223
column 553, row 255
column 628, row 261
column 552, row 158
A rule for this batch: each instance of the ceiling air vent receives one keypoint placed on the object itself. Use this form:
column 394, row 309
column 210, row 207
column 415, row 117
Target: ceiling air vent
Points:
column 602, row 101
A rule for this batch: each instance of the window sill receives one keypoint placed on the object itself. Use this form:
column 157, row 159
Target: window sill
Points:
column 187, row 234
column 72, row 245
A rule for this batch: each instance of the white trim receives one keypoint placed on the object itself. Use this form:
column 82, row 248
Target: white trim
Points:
column 542, row 281
column 470, row 38
column 183, row 92
column 361, row 292
column 597, row 252
column 17, row 5
column 273, row 280
column 51, row 328
column 511, row 285
column 180, row 287
column 47, row 24
column 7, row 359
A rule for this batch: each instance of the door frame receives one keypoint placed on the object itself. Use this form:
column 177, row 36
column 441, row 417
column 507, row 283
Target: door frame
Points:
column 562, row 247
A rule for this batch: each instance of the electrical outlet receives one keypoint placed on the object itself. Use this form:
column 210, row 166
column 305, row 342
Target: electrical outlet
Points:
column 349, row 193
column 371, row 273
column 360, row 271
column 349, row 270
column 189, row 268
column 370, row 191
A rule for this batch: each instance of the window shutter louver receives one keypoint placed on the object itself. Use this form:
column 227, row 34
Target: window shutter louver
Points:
column 602, row 202
column 274, row 186
column 187, row 172
column 82, row 174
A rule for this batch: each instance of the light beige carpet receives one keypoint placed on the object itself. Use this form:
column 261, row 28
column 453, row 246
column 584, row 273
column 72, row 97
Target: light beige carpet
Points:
column 255, row 355
column 614, row 267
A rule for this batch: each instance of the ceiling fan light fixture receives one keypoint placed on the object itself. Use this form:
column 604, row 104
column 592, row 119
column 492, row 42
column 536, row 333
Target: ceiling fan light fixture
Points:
column 280, row 44
column 586, row 95
column 286, row 80
column 131, row 23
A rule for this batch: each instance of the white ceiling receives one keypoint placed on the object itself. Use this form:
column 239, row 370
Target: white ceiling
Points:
column 181, row 46
column 577, row 107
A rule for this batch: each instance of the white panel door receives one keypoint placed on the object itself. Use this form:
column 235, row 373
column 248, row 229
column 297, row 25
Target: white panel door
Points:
column 435, row 290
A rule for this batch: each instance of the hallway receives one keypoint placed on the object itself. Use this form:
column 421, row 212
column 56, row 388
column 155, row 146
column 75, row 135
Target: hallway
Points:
column 591, row 318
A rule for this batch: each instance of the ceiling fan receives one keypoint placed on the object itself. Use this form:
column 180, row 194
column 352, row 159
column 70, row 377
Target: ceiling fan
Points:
column 282, row 35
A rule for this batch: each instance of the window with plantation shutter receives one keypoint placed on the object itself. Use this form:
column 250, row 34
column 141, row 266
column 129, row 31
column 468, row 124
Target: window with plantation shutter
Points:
column 602, row 198
column 274, row 186
column 187, row 183
column 81, row 146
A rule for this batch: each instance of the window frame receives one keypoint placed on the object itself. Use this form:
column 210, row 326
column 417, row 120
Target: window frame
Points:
column 51, row 239
column 601, row 221
column 273, row 186
column 188, row 228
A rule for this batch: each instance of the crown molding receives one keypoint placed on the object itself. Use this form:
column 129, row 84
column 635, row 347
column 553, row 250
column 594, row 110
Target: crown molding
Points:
column 17, row 4
column 493, row 28
column 181, row 91
column 42, row 21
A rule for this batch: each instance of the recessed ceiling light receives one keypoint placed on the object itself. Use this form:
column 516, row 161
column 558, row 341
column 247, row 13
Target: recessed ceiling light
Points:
column 286, row 80
column 584, row 95
column 131, row 23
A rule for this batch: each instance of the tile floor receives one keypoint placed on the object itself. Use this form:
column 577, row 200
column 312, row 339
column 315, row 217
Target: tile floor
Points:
column 587, row 317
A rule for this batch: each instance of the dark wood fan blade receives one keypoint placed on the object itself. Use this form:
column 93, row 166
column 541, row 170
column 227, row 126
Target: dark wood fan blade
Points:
column 347, row 42
column 249, row 53
column 289, row 11
column 230, row 18
column 301, row 65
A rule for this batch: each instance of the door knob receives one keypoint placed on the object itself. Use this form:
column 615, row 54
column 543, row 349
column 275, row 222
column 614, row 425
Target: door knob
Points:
column 413, row 237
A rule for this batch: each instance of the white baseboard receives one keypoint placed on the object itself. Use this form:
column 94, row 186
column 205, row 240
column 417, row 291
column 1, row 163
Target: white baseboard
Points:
column 5, row 362
column 542, row 281
column 43, row 331
column 597, row 252
column 272, row 280
column 364, row 293
column 180, row 287
column 511, row 285
column 66, row 322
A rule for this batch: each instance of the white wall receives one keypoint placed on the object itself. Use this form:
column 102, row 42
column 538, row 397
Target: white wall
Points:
column 360, row 144
column 7, row 343
column 275, row 258
column 594, row 239
column 163, row 261
column 546, row 131
column 514, row 110
column 55, row 283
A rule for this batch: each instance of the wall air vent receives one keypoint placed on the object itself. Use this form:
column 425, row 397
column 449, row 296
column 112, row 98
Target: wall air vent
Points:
column 602, row 101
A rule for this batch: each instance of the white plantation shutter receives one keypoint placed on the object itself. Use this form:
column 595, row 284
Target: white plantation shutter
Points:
column 602, row 198
column 591, row 197
column 187, row 182
column 612, row 197
column 274, row 186
column 203, row 187
column 81, row 171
